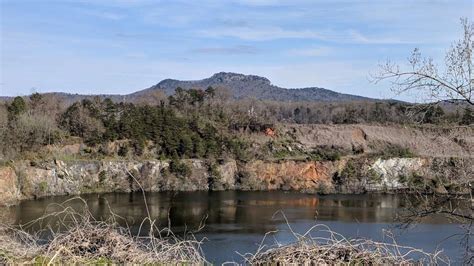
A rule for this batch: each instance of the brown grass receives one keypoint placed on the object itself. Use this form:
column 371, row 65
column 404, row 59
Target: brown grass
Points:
column 311, row 249
column 77, row 237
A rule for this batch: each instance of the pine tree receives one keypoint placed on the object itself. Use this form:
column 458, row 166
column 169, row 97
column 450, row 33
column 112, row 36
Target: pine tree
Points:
column 468, row 117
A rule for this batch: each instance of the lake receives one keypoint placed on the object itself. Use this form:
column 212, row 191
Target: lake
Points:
column 236, row 221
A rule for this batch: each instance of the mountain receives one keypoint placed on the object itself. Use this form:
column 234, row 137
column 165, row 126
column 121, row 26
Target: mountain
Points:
column 240, row 86
column 251, row 86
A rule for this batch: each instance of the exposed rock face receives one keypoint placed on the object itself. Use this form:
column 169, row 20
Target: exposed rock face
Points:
column 288, row 175
column 226, row 178
column 71, row 178
column 24, row 181
column 394, row 172
column 9, row 188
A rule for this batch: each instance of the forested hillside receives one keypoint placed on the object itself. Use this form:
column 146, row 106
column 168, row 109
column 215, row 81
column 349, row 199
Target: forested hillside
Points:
column 190, row 123
column 237, row 86
column 242, row 86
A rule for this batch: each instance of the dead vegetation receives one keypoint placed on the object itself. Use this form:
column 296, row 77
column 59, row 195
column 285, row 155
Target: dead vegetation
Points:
column 76, row 237
column 322, row 246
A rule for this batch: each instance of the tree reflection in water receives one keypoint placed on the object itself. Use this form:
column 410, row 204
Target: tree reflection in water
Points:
column 237, row 220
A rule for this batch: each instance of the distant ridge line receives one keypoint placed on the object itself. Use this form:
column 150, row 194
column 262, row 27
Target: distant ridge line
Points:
column 240, row 86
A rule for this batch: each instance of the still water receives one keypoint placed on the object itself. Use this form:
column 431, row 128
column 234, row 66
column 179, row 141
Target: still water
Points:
column 236, row 221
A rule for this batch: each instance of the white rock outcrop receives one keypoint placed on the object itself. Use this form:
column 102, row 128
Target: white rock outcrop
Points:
column 391, row 171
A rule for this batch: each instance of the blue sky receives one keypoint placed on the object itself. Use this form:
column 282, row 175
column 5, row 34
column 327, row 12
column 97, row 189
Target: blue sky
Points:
column 120, row 46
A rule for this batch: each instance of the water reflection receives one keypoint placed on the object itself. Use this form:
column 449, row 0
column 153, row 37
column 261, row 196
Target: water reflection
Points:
column 252, row 211
column 237, row 221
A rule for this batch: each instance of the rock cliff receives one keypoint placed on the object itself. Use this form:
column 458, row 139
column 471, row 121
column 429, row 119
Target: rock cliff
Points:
column 26, row 180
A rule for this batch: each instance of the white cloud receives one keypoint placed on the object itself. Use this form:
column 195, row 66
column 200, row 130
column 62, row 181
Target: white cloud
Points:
column 311, row 52
column 274, row 33
column 76, row 53
column 237, row 49
column 357, row 37
column 261, row 34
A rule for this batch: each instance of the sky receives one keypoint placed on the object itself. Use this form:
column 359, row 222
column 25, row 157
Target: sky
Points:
column 121, row 46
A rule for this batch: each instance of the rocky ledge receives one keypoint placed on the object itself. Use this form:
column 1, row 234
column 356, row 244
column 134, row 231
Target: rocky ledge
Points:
column 28, row 180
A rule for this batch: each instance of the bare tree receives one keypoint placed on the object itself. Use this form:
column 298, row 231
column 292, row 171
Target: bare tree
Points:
column 453, row 83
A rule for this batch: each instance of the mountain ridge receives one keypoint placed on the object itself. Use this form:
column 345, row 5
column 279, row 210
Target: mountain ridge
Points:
column 241, row 86
column 253, row 86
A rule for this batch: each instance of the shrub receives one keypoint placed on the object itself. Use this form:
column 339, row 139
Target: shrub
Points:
column 102, row 176
column 123, row 151
column 43, row 186
column 326, row 153
column 214, row 171
column 391, row 150
column 354, row 176
column 179, row 168
column 282, row 154
column 138, row 147
column 402, row 179
column 467, row 117
column 374, row 176
column 358, row 149
column 397, row 151
column 239, row 148
column 417, row 181
column 350, row 170
column 29, row 132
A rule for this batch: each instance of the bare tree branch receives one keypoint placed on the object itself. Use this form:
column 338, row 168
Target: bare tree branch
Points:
column 455, row 83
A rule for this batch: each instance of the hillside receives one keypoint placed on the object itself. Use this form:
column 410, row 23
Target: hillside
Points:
column 239, row 85
column 309, row 158
column 250, row 86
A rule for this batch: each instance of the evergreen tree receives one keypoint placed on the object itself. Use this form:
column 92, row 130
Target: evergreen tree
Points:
column 468, row 117
column 17, row 107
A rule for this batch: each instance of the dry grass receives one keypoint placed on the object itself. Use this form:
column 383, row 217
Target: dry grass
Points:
column 334, row 249
column 76, row 237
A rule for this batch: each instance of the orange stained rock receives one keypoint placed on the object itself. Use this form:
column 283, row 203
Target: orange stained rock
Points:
column 270, row 132
column 294, row 175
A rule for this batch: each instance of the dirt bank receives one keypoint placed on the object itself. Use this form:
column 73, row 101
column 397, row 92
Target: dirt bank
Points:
column 425, row 141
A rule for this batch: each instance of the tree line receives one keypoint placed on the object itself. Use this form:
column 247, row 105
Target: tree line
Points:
column 191, row 123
